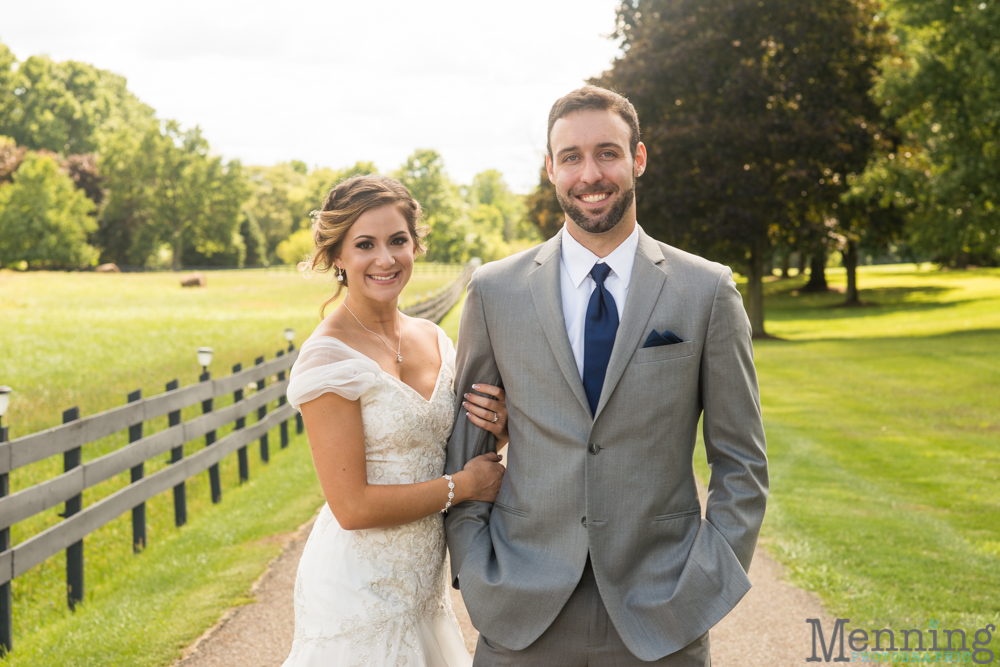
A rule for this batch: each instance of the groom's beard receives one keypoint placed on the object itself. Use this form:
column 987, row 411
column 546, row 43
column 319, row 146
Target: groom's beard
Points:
column 605, row 222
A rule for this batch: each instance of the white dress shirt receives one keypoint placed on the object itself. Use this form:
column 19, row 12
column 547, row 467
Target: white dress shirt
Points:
column 577, row 285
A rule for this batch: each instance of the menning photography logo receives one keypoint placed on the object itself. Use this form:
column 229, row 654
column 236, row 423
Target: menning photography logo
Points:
column 935, row 644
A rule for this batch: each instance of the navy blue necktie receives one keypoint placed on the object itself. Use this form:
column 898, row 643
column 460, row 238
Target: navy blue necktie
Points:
column 598, row 336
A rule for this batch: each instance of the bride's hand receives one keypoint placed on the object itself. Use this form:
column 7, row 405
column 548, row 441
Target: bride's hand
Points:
column 489, row 413
column 482, row 478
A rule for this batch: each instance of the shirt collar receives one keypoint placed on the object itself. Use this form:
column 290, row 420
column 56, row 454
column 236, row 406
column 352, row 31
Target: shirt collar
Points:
column 579, row 261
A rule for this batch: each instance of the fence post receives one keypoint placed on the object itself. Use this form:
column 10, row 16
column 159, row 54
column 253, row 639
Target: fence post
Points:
column 299, row 426
column 213, row 471
column 281, row 401
column 241, row 422
column 74, row 553
column 176, row 454
column 139, row 511
column 6, row 610
column 265, row 454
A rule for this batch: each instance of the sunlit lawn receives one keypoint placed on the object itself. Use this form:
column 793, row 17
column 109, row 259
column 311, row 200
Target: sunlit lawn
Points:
column 883, row 427
column 87, row 339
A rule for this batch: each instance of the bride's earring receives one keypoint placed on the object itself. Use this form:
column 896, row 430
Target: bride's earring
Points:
column 340, row 275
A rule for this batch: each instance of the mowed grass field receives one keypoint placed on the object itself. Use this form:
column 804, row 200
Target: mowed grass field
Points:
column 87, row 340
column 883, row 429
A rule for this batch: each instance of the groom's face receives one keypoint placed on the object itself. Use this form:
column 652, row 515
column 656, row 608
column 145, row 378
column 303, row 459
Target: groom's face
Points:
column 592, row 169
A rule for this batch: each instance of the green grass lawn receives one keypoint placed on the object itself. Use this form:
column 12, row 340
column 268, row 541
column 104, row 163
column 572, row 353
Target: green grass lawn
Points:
column 883, row 428
column 87, row 339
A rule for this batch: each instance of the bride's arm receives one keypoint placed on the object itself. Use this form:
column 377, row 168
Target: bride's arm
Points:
column 337, row 440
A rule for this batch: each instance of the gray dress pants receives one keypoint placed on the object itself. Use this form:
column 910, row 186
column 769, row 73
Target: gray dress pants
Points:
column 583, row 636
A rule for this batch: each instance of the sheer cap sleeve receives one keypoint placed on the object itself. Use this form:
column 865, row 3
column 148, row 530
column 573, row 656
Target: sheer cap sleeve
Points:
column 326, row 364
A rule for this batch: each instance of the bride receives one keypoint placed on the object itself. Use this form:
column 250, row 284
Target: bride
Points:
column 375, row 391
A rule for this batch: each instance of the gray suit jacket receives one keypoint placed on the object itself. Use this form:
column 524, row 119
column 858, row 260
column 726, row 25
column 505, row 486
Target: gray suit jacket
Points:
column 665, row 574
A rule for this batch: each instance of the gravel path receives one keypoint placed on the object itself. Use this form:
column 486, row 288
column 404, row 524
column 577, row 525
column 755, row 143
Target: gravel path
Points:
column 767, row 628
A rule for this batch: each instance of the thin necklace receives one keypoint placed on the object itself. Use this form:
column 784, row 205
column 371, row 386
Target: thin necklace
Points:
column 399, row 359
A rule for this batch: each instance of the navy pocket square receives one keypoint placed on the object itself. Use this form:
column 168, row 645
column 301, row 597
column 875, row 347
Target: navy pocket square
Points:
column 657, row 339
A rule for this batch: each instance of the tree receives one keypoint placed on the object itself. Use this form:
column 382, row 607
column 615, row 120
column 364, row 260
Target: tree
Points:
column 86, row 176
column 253, row 240
column 65, row 107
column 44, row 218
column 544, row 210
column 296, row 247
column 10, row 157
column 753, row 111
column 165, row 188
column 423, row 174
column 945, row 94
column 276, row 196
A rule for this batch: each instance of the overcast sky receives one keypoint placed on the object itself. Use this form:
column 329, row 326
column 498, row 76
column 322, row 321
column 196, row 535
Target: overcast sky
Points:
column 334, row 82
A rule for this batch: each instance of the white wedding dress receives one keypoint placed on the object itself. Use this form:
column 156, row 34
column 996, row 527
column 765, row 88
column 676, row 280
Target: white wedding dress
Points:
column 379, row 596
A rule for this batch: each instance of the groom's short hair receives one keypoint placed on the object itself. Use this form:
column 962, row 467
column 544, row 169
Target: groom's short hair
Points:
column 598, row 99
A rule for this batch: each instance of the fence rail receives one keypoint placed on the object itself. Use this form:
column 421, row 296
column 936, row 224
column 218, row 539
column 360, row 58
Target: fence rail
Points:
column 439, row 305
column 69, row 438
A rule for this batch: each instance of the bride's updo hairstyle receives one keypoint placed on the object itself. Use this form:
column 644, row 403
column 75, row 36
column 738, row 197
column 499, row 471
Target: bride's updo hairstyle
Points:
column 344, row 204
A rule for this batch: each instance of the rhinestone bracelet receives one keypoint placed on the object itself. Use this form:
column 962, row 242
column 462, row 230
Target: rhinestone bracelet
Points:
column 451, row 492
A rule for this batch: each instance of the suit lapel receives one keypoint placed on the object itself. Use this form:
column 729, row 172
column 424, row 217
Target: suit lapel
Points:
column 648, row 276
column 544, row 282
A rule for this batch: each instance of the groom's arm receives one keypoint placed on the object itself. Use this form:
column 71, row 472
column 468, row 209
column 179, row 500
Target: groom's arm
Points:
column 467, row 524
column 733, row 430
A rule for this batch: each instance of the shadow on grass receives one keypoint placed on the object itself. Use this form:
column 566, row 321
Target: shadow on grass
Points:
column 900, row 341
column 879, row 302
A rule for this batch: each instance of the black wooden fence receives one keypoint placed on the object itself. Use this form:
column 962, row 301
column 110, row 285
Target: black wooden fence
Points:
column 436, row 306
column 75, row 432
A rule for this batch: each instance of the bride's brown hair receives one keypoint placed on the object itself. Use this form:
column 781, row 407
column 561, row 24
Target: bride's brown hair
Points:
column 344, row 204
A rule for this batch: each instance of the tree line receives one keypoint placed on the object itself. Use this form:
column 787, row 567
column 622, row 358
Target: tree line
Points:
column 89, row 174
column 811, row 127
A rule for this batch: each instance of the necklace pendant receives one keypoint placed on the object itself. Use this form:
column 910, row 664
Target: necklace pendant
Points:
column 399, row 359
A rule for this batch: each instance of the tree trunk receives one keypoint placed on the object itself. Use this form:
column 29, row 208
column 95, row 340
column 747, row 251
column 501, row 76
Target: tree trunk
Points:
column 817, row 271
column 851, row 265
column 755, row 290
column 786, row 264
column 802, row 263
column 175, row 261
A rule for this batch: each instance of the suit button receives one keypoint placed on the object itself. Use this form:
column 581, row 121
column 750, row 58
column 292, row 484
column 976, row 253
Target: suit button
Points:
column 594, row 448
column 584, row 521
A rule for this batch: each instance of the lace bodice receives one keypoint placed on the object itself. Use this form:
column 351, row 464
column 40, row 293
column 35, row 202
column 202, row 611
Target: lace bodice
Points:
column 370, row 597
column 405, row 434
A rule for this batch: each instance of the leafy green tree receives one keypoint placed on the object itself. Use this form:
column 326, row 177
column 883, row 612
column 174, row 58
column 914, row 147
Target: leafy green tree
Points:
column 165, row 188
column 296, row 247
column 754, row 112
column 423, row 173
column 544, row 210
column 66, row 107
column 490, row 189
column 277, row 196
column 318, row 184
column 44, row 218
column 253, row 240
column 945, row 94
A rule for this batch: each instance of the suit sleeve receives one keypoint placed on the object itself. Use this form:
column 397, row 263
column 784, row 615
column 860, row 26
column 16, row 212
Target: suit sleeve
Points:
column 732, row 426
column 467, row 524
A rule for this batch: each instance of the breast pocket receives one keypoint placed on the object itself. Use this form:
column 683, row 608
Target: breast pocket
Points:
column 648, row 355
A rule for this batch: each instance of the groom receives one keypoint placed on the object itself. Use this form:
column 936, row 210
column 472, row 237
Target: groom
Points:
column 610, row 346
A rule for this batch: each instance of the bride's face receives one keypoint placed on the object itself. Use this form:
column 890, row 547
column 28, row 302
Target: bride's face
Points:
column 378, row 254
